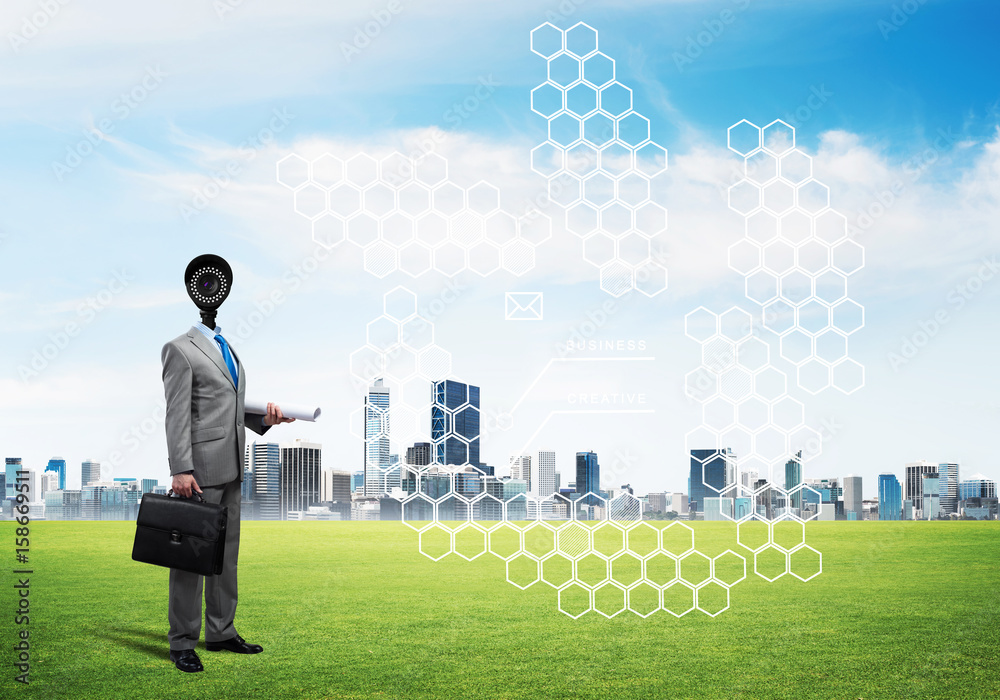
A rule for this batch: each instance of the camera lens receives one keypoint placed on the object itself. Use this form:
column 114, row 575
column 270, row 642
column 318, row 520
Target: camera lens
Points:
column 208, row 283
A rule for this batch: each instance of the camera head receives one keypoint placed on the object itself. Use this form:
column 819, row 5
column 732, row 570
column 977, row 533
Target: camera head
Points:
column 208, row 280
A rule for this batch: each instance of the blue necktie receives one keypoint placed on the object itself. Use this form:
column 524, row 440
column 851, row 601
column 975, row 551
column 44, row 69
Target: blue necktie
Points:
column 228, row 357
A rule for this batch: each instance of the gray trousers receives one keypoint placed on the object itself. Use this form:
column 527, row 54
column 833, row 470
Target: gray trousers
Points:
column 184, row 608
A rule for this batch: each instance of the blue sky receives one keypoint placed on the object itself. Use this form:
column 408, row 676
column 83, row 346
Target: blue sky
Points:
column 890, row 94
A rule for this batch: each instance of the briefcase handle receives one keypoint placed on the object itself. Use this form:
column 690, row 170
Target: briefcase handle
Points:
column 193, row 493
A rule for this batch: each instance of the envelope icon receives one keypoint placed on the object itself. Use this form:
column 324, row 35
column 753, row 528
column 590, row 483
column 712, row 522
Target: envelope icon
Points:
column 523, row 306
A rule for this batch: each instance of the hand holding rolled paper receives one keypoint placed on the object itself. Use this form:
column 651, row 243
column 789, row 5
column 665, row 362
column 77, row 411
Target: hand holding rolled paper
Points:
column 297, row 412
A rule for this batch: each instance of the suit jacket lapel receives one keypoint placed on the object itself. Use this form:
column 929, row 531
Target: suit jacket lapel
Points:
column 214, row 354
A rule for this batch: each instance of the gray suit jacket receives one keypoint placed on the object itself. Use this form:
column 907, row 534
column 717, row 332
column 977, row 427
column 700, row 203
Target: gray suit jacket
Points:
column 205, row 415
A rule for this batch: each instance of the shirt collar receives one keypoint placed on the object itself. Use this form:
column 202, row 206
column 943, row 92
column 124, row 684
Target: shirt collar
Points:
column 208, row 332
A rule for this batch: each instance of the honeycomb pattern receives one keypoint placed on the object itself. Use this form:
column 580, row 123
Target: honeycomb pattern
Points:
column 596, row 553
column 599, row 160
column 406, row 214
column 796, row 257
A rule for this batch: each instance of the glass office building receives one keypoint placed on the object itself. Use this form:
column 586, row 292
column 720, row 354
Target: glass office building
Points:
column 58, row 465
column 890, row 497
column 712, row 471
column 455, row 424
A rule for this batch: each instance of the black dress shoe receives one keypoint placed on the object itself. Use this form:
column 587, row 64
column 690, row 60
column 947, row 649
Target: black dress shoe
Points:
column 236, row 644
column 186, row 660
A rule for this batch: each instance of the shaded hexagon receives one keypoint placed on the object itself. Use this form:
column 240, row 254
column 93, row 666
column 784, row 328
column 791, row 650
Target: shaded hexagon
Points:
column 633, row 129
column 564, row 69
column 744, row 256
column 744, row 197
column 848, row 316
column 701, row 324
column 743, row 137
column 812, row 257
column 712, row 598
column 830, row 286
column 598, row 129
column 678, row 598
column 435, row 542
column 650, row 219
column 761, row 167
column 310, row 201
column 327, row 171
column 522, row 571
column 651, row 159
column 581, row 100
column 466, row 228
column 633, row 189
column 718, row 354
column 778, row 197
column 848, row 257
column 598, row 70
column 735, row 383
column 399, row 304
column 434, row 362
column 813, row 196
column 831, row 227
column 616, row 160
column 787, row 413
column 735, row 324
column 633, row 249
column 770, row 563
column 848, row 376
column 470, row 541
column 615, row 99
column 547, row 100
column 651, row 278
column 677, row 539
column 752, row 354
column 575, row 600
column 778, row 137
column 557, row 570
column 795, row 287
column 796, row 227
column 729, row 568
column 361, row 170
column 380, row 259
column 616, row 278
column 591, row 570
column 581, row 40
column 625, row 509
column 609, row 599
column 518, row 257
column 546, row 40
column 831, row 346
column 292, row 171
column 753, row 534
column 431, row 169
column 547, row 159
column 398, row 229
column 813, row 376
column 770, row 384
column 328, row 230
column 573, row 540
column 805, row 563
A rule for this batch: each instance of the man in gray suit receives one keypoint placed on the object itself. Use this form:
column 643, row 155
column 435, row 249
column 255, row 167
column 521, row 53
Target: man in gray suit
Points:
column 204, row 383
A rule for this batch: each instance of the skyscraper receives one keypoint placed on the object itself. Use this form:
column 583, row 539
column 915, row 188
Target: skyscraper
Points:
column 793, row 477
column 455, row 423
column 912, row 484
column 11, row 466
column 712, row 472
column 301, row 465
column 264, row 459
column 852, row 497
column 890, row 497
column 545, row 484
column 49, row 481
column 336, row 486
column 419, row 455
column 376, row 439
column 520, row 469
column 57, row 465
column 948, row 484
column 931, row 496
column 89, row 471
column 977, row 486
column 588, row 475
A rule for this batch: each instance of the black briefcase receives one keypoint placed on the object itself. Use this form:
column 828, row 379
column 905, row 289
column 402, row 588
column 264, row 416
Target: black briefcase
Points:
column 180, row 533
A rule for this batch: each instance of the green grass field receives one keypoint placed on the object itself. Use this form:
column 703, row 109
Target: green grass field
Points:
column 353, row 610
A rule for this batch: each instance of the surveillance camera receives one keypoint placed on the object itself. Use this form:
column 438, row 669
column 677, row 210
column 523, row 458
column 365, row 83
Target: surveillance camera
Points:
column 208, row 280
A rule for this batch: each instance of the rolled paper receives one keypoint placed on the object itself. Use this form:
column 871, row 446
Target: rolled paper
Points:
column 288, row 410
